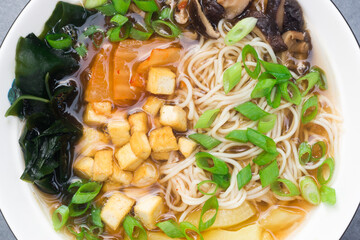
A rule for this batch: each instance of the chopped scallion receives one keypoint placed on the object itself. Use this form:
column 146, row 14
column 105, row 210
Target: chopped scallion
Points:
column 206, row 141
column 86, row 193
column 232, row 77
column 290, row 92
column 207, row 118
column 118, row 34
column 107, row 9
column 140, row 35
column 321, row 172
column 251, row 111
column 274, row 99
column 165, row 14
column 309, row 190
column 304, row 153
column 208, row 182
column 94, row 3
column 238, row 136
column 311, row 80
column 269, row 174
column 263, row 88
column 318, row 151
column 76, row 210
column 170, row 228
column 222, row 180
column 130, row 224
column 147, row 5
column 121, row 6
column 186, row 226
column 267, row 123
column 292, row 189
column 265, row 158
column 244, row 176
column 240, row 30
column 280, row 72
column 119, row 19
column 210, row 204
column 166, row 29
column 217, row 165
column 323, row 85
column 328, row 195
column 95, row 217
column 309, row 110
column 261, row 141
column 60, row 217
column 250, row 50
column 59, row 40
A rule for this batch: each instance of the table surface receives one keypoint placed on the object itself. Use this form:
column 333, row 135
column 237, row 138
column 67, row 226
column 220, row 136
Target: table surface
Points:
column 9, row 10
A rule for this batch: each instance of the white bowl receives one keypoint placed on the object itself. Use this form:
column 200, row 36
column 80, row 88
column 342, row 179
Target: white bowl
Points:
column 336, row 50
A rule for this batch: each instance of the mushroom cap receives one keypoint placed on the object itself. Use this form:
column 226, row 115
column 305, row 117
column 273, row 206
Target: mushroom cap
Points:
column 293, row 17
column 276, row 10
column 233, row 8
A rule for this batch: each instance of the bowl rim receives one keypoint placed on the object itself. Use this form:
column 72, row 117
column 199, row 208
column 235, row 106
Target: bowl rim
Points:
column 32, row 3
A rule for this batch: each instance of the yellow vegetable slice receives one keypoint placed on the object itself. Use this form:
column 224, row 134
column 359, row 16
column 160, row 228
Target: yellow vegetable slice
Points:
column 251, row 232
column 157, row 236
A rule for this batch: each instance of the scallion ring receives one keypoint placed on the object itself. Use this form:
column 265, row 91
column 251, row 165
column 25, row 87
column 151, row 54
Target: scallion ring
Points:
column 207, row 118
column 261, row 140
column 267, row 123
column 86, row 193
column 232, row 77
column 238, row 136
column 311, row 79
column 323, row 85
column 121, row 6
column 273, row 98
column 324, row 176
column 309, row 190
column 251, row 111
column 223, row 181
column 318, row 151
column 171, row 228
column 304, row 153
column 140, row 35
column 119, row 34
column 147, row 5
column 207, row 182
column 206, row 141
column 185, row 226
column 309, row 110
column 165, row 14
column 217, row 166
column 250, row 50
column 165, row 29
column 294, row 96
column 60, row 217
column 107, row 9
column 244, row 176
column 130, row 224
column 269, row 174
column 280, row 72
column 119, row 19
column 59, row 40
column 240, row 30
column 263, row 88
column 89, row 4
column 265, row 158
column 328, row 195
column 76, row 210
column 211, row 204
column 292, row 189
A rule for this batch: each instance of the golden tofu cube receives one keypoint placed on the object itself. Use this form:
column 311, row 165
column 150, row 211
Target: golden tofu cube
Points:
column 139, row 122
column 119, row 131
column 186, row 146
column 102, row 108
column 161, row 81
column 160, row 156
column 120, row 176
column 93, row 118
column 140, row 145
column 148, row 210
column 163, row 140
column 152, row 105
column 115, row 209
column 83, row 167
column 145, row 175
column 92, row 141
column 173, row 116
column 127, row 159
column 103, row 164
column 110, row 186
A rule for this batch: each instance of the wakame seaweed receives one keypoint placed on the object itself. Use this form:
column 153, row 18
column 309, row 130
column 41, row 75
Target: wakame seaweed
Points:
column 38, row 97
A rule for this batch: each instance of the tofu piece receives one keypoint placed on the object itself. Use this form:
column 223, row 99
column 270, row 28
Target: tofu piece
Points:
column 173, row 116
column 102, row 108
column 140, row 145
column 93, row 118
column 152, row 105
column 187, row 146
column 115, row 210
column 120, row 176
column 148, row 210
column 92, row 141
column 127, row 159
column 110, row 186
column 103, row 165
column 163, row 140
column 161, row 81
column 83, row 167
column 145, row 175
column 119, row 131
column 160, row 156
column 139, row 122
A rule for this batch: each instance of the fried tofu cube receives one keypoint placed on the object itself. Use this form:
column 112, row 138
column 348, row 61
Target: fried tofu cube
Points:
column 115, row 209
column 103, row 164
column 140, row 145
column 148, row 210
column 186, row 146
column 163, row 140
column 139, row 122
column 161, row 81
column 102, row 108
column 152, row 105
column 120, row 176
column 92, row 141
column 93, row 118
column 119, row 131
column 173, row 116
column 145, row 175
column 127, row 159
column 83, row 167
column 160, row 156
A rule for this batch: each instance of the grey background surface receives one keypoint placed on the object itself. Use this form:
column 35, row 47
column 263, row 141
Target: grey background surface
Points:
column 9, row 10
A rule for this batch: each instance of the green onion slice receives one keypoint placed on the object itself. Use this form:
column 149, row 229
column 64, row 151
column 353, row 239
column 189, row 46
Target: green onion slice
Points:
column 147, row 5
column 232, row 77
column 165, row 14
column 250, row 50
column 76, row 185
column 309, row 110
column 78, row 235
column 240, row 30
column 130, row 224
column 208, row 182
column 86, row 193
column 321, row 172
column 267, row 123
column 90, row 236
column 265, row 158
column 275, row 101
column 59, row 40
column 222, row 180
column 261, row 141
column 210, row 204
column 95, row 217
column 292, row 189
column 269, row 174
column 304, row 153
column 165, row 29
column 81, row 50
column 171, row 228
column 140, row 35
column 251, row 111
column 206, row 141
column 294, row 96
column 185, row 226
column 263, row 88
column 119, row 34
column 328, row 195
column 218, row 166
column 310, row 79
column 309, row 190
column 323, row 85
column 318, row 151
column 76, row 210
column 280, row 72
column 207, row 118
column 238, row 136
column 244, row 176
column 121, row 6
column 119, row 19
column 94, row 3
column 60, row 217
column 107, row 9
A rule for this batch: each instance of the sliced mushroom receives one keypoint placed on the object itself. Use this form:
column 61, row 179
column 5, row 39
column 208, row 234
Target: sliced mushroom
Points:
column 181, row 16
column 267, row 29
column 293, row 17
column 233, row 8
column 276, row 9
